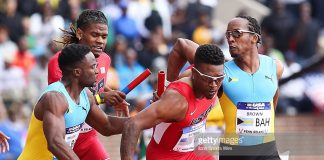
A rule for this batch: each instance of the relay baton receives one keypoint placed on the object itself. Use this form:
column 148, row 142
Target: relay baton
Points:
column 139, row 79
column 160, row 83
column 132, row 85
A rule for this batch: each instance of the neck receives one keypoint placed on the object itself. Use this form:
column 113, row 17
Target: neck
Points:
column 72, row 88
column 249, row 62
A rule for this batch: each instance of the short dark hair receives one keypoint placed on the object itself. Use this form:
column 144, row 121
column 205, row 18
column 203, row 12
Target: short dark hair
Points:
column 91, row 16
column 210, row 54
column 71, row 55
column 86, row 18
column 253, row 25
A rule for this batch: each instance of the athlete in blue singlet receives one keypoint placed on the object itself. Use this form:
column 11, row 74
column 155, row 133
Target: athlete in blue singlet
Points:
column 65, row 106
column 249, row 92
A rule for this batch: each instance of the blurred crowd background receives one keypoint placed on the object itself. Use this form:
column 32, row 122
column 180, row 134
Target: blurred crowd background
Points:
column 141, row 35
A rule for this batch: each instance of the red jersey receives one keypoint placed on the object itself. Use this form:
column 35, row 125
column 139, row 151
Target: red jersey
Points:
column 176, row 140
column 55, row 74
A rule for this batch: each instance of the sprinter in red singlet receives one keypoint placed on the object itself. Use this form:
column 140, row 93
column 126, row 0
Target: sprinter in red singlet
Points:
column 180, row 113
column 91, row 30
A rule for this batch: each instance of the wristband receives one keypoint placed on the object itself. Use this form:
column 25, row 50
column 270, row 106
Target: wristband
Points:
column 102, row 97
column 98, row 99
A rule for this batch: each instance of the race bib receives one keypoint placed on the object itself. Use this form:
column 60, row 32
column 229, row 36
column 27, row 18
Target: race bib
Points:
column 86, row 128
column 71, row 134
column 253, row 118
column 186, row 142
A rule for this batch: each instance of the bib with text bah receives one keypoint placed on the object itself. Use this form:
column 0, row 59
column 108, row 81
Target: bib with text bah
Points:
column 253, row 118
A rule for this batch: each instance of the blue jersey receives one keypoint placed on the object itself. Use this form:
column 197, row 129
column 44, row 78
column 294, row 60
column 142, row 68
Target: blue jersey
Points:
column 74, row 118
column 247, row 102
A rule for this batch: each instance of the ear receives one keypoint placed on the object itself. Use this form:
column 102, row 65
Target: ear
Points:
column 255, row 39
column 77, row 72
column 79, row 33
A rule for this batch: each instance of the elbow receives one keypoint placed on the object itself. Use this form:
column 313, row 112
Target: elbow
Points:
column 180, row 43
column 183, row 42
column 180, row 40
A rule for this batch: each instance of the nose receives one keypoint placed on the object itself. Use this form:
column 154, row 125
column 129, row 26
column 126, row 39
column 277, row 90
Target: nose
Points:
column 213, row 84
column 230, row 38
column 100, row 40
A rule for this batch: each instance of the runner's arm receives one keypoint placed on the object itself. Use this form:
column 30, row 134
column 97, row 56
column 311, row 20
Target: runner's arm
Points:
column 280, row 70
column 51, row 111
column 104, row 124
column 184, row 50
column 112, row 97
column 171, row 107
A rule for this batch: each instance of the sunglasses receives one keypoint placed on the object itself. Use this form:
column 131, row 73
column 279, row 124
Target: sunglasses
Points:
column 238, row 33
column 209, row 78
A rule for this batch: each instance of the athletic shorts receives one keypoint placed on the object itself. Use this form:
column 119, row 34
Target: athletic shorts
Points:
column 265, row 151
column 88, row 147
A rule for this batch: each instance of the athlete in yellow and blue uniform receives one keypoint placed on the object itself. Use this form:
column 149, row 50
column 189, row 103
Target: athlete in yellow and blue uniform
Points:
column 36, row 144
column 249, row 95
column 248, row 98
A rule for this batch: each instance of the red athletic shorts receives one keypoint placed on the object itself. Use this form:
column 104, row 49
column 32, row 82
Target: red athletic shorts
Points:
column 88, row 147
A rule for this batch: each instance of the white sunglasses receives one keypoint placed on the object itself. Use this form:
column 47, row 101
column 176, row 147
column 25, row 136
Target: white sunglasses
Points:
column 237, row 33
column 209, row 78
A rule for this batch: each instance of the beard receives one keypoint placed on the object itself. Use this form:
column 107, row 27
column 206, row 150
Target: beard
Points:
column 211, row 96
column 234, row 55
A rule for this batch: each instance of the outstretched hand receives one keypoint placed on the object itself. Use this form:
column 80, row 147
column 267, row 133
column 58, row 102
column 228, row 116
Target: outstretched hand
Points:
column 121, row 109
column 114, row 97
column 4, row 145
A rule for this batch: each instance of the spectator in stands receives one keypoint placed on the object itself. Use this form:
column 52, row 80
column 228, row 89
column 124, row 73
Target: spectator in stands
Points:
column 280, row 24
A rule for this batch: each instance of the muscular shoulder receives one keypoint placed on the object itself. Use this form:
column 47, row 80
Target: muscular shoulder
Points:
column 279, row 65
column 51, row 101
column 173, row 106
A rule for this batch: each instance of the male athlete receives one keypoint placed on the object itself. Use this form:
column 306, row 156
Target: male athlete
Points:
column 91, row 30
column 249, row 93
column 180, row 113
column 65, row 106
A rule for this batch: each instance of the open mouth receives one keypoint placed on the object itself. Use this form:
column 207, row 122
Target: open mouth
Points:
column 212, row 92
column 232, row 47
column 97, row 49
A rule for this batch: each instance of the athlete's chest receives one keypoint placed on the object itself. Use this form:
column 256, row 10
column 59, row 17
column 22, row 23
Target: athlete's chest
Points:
column 197, row 111
column 242, row 86
column 76, row 113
